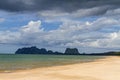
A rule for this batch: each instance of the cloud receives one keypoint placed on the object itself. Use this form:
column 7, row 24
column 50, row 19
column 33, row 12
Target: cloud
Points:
column 61, row 5
column 2, row 19
column 56, row 15
column 25, row 35
column 31, row 33
column 32, row 27
column 113, row 13
column 75, row 14
column 83, row 34
column 58, row 10
column 8, row 37
column 59, row 16
column 69, row 34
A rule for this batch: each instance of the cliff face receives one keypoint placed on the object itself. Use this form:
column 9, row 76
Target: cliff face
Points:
column 72, row 51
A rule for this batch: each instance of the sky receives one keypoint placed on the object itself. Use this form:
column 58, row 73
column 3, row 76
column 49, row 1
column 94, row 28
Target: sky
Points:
column 89, row 25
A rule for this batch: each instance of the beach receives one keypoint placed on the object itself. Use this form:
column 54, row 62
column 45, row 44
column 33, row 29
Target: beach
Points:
column 102, row 69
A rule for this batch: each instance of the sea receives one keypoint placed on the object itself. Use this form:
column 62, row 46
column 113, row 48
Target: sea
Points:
column 13, row 62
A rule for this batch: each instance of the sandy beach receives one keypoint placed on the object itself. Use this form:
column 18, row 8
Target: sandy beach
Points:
column 102, row 69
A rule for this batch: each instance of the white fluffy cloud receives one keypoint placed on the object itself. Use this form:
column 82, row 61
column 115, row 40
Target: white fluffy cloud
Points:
column 31, row 33
column 32, row 27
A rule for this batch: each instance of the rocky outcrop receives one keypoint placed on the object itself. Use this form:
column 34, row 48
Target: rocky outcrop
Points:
column 68, row 51
column 35, row 50
column 71, row 51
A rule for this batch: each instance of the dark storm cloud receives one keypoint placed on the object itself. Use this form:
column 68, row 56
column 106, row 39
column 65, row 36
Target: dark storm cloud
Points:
column 63, row 5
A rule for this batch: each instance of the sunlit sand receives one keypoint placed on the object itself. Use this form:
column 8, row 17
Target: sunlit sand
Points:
column 102, row 69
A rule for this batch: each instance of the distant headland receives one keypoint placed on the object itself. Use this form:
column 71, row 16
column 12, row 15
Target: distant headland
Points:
column 68, row 51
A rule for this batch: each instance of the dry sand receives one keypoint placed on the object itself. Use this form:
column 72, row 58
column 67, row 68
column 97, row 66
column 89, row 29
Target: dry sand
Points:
column 104, row 69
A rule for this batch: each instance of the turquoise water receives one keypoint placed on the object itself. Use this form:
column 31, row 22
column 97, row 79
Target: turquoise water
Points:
column 20, row 62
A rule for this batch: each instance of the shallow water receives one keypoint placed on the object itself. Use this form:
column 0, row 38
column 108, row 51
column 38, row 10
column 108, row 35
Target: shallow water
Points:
column 19, row 62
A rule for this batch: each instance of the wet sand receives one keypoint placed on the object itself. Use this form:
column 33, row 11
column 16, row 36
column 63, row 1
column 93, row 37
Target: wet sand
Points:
column 102, row 69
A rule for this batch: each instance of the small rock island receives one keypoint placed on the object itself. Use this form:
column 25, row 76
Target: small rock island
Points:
column 71, row 51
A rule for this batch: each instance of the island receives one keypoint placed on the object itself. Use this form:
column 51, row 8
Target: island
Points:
column 68, row 51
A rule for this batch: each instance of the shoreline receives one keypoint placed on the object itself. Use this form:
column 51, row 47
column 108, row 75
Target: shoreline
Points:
column 102, row 69
column 26, row 62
